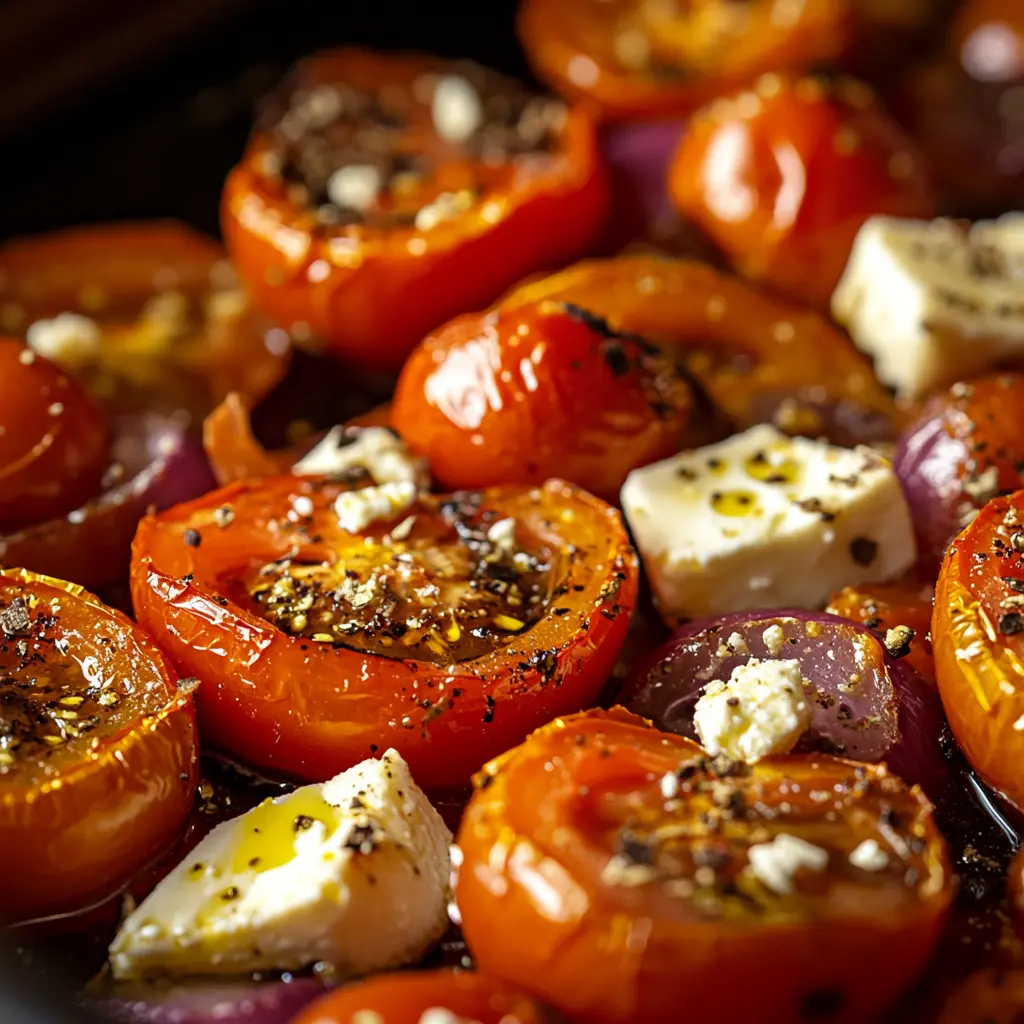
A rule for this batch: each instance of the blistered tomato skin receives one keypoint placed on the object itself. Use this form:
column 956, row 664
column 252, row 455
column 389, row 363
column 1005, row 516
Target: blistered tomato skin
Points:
column 98, row 760
column 53, row 440
column 885, row 606
column 781, row 178
column 976, row 627
column 964, row 449
column 447, row 631
column 166, row 326
column 610, row 870
column 410, row 998
column 759, row 359
column 545, row 390
column 429, row 218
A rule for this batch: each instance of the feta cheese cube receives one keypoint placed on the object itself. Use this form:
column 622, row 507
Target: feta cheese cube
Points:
column 376, row 450
column 761, row 710
column 931, row 302
column 354, row 872
column 869, row 856
column 69, row 339
column 775, row 864
column 456, row 109
column 356, row 510
column 763, row 520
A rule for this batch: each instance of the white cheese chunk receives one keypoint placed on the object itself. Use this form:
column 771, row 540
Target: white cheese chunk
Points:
column 356, row 510
column 775, row 864
column 68, row 339
column 456, row 108
column 869, row 856
column 931, row 302
column 376, row 450
column 353, row 872
column 355, row 186
column 761, row 710
column 763, row 520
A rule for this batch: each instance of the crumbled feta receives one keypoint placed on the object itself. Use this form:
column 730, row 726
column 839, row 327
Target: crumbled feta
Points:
column 776, row 863
column 765, row 520
column 931, row 302
column 68, row 339
column 869, row 856
column 761, row 710
column 356, row 510
column 774, row 639
column 353, row 872
column 456, row 108
column 355, row 186
column 376, row 450
column 502, row 536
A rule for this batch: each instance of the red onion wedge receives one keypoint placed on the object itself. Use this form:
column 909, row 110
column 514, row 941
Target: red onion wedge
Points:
column 155, row 463
column 226, row 1002
column 866, row 705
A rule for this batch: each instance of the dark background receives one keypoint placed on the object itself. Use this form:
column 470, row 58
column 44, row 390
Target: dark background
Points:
column 142, row 116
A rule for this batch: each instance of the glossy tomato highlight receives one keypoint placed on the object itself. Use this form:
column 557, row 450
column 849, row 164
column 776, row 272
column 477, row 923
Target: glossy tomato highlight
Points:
column 382, row 194
column 619, row 874
column 98, row 756
column 782, row 177
column 544, row 390
column 447, row 629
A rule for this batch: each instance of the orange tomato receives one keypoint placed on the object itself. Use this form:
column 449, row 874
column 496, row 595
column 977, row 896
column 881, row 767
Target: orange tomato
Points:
column 782, row 177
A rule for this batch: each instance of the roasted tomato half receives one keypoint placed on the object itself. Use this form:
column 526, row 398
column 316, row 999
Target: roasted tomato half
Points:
column 447, row 628
column 758, row 358
column 444, row 997
column 98, row 755
column 782, row 177
column 885, row 606
column 965, row 448
column 543, row 390
column 382, row 194
column 976, row 632
column 619, row 874
column 149, row 316
column 631, row 57
column 53, row 440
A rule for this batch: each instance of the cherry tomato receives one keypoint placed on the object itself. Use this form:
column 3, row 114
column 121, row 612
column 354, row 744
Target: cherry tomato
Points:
column 53, row 440
column 98, row 756
column 437, row 631
column 782, row 177
column 884, row 606
column 976, row 627
column 545, row 390
column 383, row 194
column 411, row 998
column 149, row 316
column 639, row 57
column 963, row 449
column 619, row 874
column 758, row 358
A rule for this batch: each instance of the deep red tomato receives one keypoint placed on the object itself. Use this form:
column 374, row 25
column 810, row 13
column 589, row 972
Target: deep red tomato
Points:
column 98, row 756
column 442, row 635
column 758, row 358
column 382, row 194
column 53, row 440
column 165, row 327
column 546, row 389
column 781, row 178
column 883, row 606
column 608, row 869
column 638, row 57
column 455, row 997
column 976, row 631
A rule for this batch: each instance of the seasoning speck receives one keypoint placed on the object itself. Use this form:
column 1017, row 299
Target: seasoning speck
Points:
column 192, row 538
column 863, row 550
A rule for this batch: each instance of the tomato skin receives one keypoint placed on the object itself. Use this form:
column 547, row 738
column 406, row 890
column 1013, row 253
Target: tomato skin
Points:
column 311, row 710
column 977, row 649
column 540, row 910
column 883, row 606
column 757, row 357
column 405, row 998
column 990, row 996
column 110, row 271
column 782, row 178
column 370, row 304
column 539, row 392
column 70, row 842
column 53, row 441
